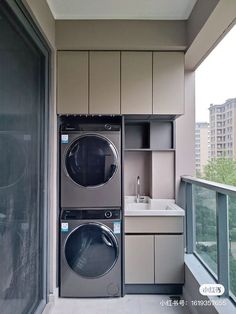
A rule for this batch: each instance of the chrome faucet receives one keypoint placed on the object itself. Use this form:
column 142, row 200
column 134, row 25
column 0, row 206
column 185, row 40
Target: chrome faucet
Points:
column 138, row 190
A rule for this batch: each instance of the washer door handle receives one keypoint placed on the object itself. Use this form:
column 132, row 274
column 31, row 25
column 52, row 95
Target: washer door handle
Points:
column 105, row 239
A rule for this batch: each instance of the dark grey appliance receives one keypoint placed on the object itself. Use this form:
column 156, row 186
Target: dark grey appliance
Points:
column 90, row 165
column 90, row 253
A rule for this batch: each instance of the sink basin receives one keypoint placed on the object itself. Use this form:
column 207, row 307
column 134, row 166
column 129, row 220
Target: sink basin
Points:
column 152, row 207
column 138, row 206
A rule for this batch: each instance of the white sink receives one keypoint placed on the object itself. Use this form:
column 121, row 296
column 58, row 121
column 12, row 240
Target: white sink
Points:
column 152, row 207
column 138, row 206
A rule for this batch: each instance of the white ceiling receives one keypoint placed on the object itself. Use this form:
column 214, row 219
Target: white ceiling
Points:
column 121, row 9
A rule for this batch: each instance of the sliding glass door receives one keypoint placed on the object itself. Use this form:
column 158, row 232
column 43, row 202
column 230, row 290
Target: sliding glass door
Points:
column 23, row 174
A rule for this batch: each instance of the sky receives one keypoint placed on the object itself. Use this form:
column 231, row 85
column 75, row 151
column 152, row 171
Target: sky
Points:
column 216, row 76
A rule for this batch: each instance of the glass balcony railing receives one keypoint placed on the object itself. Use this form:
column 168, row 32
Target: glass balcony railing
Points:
column 211, row 229
column 232, row 243
column 205, row 221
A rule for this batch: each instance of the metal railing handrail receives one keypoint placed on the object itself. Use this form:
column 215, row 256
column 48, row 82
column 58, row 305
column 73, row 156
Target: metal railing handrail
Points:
column 217, row 187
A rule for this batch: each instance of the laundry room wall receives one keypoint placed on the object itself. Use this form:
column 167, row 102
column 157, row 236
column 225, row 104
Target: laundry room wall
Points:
column 120, row 35
column 136, row 35
column 102, row 35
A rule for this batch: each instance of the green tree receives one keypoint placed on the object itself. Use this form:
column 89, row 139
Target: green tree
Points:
column 222, row 170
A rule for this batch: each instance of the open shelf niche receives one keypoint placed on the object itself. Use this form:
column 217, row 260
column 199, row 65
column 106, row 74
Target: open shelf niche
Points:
column 150, row 154
column 149, row 135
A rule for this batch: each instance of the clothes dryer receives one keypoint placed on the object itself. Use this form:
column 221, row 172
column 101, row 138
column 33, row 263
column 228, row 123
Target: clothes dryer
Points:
column 90, row 166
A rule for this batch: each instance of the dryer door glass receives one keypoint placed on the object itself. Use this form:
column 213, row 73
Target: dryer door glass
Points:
column 91, row 250
column 91, row 161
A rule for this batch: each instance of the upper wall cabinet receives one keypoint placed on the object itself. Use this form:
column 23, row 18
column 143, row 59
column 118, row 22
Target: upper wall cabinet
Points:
column 114, row 82
column 168, row 83
column 104, row 86
column 72, row 84
column 136, row 82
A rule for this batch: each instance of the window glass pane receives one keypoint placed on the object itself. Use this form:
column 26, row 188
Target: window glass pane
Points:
column 21, row 169
column 232, row 244
column 205, row 219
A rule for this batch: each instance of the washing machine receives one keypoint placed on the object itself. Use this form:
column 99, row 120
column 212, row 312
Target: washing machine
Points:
column 90, row 165
column 90, row 253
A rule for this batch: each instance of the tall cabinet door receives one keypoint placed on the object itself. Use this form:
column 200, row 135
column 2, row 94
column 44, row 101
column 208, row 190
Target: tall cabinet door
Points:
column 139, row 259
column 136, row 82
column 169, row 259
column 72, row 83
column 168, row 83
column 104, row 82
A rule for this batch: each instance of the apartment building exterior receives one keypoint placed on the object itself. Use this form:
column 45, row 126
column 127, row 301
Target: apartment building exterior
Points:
column 202, row 145
column 223, row 129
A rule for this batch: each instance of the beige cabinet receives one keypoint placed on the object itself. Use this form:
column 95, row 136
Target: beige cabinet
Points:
column 127, row 82
column 157, row 257
column 169, row 259
column 151, row 224
column 136, row 82
column 168, row 83
column 72, row 82
column 104, row 82
column 139, row 259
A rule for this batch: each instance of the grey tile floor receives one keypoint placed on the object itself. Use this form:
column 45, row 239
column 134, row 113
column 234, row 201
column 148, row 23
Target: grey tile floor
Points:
column 130, row 304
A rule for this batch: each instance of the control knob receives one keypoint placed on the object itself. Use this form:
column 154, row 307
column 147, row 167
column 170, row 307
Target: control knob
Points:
column 108, row 214
column 107, row 126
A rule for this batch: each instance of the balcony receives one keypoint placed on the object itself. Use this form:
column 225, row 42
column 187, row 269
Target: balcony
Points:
column 138, row 55
column 211, row 234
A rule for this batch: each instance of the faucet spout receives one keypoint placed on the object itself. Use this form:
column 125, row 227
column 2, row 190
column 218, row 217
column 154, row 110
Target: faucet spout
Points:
column 138, row 190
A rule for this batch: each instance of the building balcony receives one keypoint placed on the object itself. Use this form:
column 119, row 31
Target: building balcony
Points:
column 210, row 236
column 128, row 70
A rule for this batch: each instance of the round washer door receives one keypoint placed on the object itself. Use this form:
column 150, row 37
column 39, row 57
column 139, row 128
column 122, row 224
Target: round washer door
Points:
column 91, row 160
column 91, row 250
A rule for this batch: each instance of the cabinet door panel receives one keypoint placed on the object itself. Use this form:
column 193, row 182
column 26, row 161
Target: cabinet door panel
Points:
column 169, row 259
column 163, row 165
column 136, row 82
column 149, row 224
column 104, row 78
column 139, row 259
column 72, row 82
column 168, row 83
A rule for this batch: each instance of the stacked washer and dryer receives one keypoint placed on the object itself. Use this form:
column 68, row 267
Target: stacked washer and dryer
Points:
column 90, row 201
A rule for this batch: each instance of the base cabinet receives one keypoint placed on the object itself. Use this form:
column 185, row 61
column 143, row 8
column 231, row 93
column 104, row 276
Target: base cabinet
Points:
column 169, row 259
column 154, row 259
column 139, row 259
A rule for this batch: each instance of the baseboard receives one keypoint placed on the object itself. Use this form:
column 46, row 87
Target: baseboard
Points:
column 153, row 289
column 48, row 308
